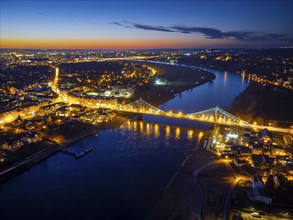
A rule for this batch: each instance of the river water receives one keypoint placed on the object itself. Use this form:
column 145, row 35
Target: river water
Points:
column 127, row 170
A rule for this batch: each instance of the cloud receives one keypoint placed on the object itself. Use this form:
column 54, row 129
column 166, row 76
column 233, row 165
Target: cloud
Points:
column 207, row 32
column 142, row 26
column 42, row 13
column 152, row 28
column 116, row 23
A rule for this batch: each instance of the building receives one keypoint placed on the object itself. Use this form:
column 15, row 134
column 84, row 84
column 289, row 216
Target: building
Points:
column 31, row 137
column 239, row 162
column 257, row 182
column 260, row 161
column 265, row 137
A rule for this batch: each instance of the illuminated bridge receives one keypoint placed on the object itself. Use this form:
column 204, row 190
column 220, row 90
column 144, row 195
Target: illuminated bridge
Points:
column 214, row 115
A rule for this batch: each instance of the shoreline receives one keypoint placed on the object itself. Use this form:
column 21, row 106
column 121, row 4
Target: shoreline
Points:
column 183, row 190
column 285, row 120
column 35, row 158
column 179, row 79
column 30, row 161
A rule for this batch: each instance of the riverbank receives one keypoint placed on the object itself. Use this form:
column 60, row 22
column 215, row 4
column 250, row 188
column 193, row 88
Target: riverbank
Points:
column 37, row 157
column 25, row 165
column 260, row 101
column 201, row 190
column 183, row 196
column 264, row 104
column 176, row 80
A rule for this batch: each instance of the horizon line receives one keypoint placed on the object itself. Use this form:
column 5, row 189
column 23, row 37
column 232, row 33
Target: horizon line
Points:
column 155, row 48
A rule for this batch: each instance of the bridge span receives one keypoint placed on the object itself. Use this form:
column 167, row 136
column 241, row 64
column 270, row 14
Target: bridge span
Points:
column 214, row 115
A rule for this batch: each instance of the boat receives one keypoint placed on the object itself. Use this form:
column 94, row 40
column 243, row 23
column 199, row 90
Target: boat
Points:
column 88, row 150
column 79, row 155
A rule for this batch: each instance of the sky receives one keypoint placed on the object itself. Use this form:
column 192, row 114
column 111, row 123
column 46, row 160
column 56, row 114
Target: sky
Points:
column 146, row 24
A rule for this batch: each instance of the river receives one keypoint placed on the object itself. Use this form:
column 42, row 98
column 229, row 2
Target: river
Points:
column 127, row 170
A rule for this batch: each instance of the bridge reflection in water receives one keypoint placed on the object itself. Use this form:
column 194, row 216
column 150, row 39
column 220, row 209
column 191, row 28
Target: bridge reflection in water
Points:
column 168, row 131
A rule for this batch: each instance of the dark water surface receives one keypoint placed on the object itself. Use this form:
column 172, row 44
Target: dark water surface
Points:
column 127, row 170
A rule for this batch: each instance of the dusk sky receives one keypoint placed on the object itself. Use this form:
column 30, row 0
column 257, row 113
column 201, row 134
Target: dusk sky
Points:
column 146, row 24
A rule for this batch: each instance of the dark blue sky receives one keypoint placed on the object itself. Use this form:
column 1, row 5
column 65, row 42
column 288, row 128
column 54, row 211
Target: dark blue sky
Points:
column 146, row 24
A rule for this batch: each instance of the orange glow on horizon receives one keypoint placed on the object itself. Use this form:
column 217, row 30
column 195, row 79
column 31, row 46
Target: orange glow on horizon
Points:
column 99, row 43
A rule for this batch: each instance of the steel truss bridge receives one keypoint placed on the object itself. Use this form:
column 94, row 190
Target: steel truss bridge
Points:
column 214, row 115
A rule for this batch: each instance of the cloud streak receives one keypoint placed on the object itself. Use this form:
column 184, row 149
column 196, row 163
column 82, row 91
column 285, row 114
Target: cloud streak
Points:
column 152, row 28
column 42, row 14
column 209, row 33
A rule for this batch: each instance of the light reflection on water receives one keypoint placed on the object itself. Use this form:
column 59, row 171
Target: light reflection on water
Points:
column 156, row 130
column 177, row 133
column 225, row 78
column 190, row 134
column 167, row 132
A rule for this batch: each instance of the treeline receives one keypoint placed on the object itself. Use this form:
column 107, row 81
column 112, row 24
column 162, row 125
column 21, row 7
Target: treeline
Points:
column 264, row 104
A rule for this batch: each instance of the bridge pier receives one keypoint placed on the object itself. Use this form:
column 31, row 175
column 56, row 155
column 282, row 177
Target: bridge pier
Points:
column 139, row 117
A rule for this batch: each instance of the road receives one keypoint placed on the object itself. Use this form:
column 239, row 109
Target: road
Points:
column 231, row 190
column 248, row 216
column 228, row 198
column 199, row 206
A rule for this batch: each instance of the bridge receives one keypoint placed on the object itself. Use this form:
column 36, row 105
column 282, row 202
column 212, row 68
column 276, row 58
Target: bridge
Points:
column 214, row 115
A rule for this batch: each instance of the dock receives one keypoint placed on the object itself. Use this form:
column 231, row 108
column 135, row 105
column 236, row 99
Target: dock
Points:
column 77, row 154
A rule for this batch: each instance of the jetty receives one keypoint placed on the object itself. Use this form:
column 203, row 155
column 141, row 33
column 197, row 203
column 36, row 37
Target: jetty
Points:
column 77, row 154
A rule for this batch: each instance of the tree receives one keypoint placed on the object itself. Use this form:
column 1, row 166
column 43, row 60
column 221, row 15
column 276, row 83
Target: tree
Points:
column 269, row 186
